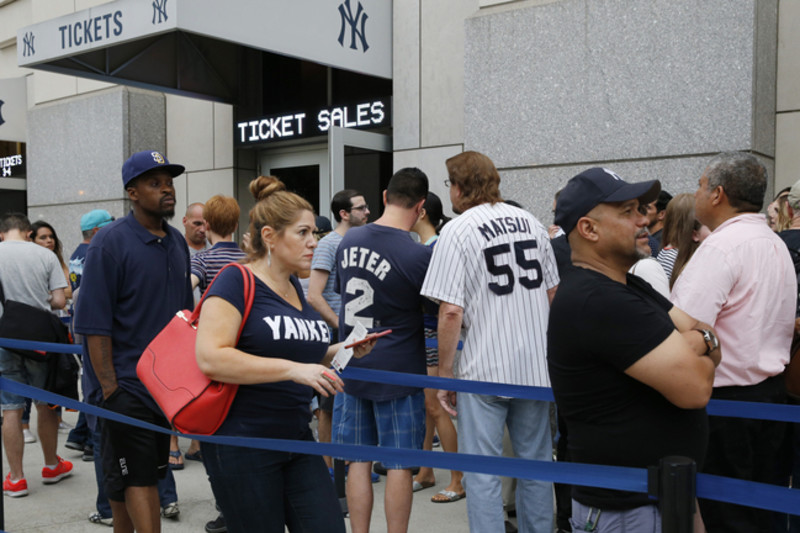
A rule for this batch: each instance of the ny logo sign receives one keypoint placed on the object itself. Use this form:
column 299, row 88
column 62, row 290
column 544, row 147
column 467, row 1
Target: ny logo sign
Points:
column 348, row 18
column 27, row 43
column 160, row 11
column 2, row 121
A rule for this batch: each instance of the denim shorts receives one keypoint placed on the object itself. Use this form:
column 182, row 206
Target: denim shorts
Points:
column 21, row 370
column 398, row 423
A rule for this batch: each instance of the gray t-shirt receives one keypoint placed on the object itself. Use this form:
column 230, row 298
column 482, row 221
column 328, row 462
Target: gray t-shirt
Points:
column 29, row 273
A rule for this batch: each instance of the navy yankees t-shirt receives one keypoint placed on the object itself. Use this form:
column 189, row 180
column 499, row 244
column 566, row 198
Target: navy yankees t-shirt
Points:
column 379, row 273
column 277, row 329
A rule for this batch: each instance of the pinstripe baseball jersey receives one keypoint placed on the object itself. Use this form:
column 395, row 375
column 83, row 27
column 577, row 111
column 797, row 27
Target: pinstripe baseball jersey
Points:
column 495, row 261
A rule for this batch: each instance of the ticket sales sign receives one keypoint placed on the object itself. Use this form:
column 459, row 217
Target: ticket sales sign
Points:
column 302, row 124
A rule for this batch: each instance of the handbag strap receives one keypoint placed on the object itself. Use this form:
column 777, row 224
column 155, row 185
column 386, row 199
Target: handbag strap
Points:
column 249, row 295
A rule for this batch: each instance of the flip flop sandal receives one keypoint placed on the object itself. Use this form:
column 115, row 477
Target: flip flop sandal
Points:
column 417, row 486
column 177, row 455
column 447, row 496
column 196, row 456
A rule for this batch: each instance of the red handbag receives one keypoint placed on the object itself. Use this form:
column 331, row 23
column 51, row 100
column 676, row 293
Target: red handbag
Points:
column 191, row 401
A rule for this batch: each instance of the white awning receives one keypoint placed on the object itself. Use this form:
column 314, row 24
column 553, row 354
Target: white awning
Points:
column 193, row 47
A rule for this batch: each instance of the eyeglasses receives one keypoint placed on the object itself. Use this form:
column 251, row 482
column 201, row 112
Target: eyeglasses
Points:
column 364, row 207
column 447, row 183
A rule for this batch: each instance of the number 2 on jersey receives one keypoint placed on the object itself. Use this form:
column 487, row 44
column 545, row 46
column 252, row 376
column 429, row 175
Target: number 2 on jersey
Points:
column 351, row 308
column 506, row 286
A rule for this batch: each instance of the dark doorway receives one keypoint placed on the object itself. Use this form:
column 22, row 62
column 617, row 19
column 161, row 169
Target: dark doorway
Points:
column 303, row 180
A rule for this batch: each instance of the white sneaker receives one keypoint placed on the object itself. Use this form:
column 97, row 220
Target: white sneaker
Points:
column 63, row 427
column 29, row 437
column 171, row 510
column 97, row 518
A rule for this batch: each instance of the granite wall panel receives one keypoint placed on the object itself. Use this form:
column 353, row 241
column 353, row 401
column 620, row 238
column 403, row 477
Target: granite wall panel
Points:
column 606, row 80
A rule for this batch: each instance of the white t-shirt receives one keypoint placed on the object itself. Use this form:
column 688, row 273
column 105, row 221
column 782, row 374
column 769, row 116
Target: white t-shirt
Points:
column 653, row 273
column 495, row 261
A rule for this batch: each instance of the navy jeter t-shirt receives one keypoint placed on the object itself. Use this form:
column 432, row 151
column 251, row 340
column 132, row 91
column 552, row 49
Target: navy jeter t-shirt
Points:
column 277, row 329
column 379, row 273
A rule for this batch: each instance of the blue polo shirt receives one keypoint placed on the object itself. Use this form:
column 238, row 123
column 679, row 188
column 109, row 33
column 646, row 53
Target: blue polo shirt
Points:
column 133, row 284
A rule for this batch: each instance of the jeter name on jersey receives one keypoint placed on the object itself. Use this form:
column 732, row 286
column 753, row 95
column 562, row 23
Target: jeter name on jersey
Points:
column 355, row 256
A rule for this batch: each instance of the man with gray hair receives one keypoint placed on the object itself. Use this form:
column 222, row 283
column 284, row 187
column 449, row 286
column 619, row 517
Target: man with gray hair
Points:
column 741, row 281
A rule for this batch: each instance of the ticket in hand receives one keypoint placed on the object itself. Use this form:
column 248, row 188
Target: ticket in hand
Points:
column 344, row 355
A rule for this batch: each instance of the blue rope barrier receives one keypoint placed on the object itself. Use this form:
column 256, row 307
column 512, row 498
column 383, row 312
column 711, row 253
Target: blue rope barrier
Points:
column 729, row 408
column 770, row 497
column 614, row 477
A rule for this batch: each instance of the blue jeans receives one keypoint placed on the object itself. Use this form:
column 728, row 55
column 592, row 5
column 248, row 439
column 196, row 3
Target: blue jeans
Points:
column 81, row 432
column 266, row 491
column 481, row 420
column 645, row 519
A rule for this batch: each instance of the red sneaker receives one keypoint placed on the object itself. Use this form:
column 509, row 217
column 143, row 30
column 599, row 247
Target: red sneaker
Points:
column 54, row 475
column 15, row 489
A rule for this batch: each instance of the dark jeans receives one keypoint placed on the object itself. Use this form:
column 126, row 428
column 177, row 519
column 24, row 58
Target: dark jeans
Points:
column 744, row 449
column 266, row 491
column 81, row 432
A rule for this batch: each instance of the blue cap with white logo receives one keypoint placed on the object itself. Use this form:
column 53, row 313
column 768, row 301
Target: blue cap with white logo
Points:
column 142, row 162
column 598, row 186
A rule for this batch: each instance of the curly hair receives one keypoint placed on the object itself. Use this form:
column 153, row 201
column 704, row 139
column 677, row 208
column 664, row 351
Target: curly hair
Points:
column 476, row 177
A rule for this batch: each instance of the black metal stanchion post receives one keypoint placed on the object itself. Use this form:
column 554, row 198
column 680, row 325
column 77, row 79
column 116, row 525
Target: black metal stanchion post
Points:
column 673, row 481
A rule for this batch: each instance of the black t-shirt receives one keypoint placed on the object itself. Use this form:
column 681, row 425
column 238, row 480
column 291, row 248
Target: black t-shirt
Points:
column 599, row 328
column 792, row 239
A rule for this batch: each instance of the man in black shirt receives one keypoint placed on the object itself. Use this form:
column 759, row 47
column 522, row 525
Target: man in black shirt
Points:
column 633, row 383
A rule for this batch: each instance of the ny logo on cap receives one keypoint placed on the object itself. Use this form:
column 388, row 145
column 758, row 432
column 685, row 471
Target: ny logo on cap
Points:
column 158, row 158
column 612, row 174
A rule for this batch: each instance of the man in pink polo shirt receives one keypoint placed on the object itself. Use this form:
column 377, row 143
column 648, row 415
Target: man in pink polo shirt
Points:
column 741, row 281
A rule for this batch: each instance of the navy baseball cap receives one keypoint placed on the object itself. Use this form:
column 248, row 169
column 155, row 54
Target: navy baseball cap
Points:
column 598, row 186
column 141, row 162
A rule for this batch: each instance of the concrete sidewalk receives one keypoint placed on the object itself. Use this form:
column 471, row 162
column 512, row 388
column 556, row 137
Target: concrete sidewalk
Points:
column 65, row 506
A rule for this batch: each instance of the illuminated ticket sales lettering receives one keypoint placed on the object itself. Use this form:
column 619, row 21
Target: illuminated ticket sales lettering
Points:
column 271, row 128
column 6, row 164
column 365, row 115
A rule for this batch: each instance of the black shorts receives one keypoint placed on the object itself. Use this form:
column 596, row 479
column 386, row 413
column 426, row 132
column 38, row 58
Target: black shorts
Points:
column 132, row 456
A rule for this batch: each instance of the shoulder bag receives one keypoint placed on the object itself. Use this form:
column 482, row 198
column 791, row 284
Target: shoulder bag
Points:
column 191, row 401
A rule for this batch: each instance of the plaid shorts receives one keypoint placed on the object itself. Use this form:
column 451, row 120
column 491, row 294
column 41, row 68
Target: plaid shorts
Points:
column 398, row 423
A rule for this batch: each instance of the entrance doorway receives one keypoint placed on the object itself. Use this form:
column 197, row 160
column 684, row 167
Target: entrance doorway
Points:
column 352, row 159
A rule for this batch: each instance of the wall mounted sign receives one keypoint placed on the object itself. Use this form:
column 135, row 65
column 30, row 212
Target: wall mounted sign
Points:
column 303, row 124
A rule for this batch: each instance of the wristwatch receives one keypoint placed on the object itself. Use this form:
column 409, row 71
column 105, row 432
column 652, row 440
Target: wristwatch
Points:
column 712, row 343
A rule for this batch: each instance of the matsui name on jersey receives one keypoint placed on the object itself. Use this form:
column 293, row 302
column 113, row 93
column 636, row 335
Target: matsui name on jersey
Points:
column 503, row 225
column 356, row 256
column 287, row 327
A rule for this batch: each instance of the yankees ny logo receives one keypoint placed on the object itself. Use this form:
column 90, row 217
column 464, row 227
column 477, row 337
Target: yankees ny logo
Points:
column 27, row 43
column 2, row 121
column 160, row 11
column 348, row 18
